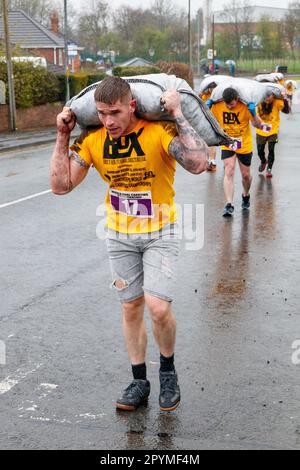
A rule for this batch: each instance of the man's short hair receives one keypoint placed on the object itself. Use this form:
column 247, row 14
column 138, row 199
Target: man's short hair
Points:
column 229, row 95
column 112, row 89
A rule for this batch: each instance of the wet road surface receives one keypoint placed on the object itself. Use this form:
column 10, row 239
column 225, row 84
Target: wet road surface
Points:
column 237, row 309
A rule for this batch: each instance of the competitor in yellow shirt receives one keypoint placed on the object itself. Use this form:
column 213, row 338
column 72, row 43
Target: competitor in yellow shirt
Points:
column 290, row 90
column 269, row 111
column 205, row 96
column 235, row 118
column 137, row 160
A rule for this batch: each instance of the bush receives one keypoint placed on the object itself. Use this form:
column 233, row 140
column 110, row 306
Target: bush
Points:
column 62, row 87
column 179, row 69
column 33, row 85
column 93, row 78
column 80, row 81
column 132, row 71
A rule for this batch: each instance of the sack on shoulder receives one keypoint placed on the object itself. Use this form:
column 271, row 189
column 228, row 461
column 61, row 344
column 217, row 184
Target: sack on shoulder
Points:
column 147, row 90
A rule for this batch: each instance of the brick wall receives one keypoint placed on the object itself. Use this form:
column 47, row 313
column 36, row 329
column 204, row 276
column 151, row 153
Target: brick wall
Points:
column 31, row 118
column 49, row 55
column 3, row 117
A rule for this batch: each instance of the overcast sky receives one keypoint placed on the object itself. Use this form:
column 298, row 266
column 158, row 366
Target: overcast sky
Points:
column 195, row 4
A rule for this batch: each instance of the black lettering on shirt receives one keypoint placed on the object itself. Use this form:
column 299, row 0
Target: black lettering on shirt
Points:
column 124, row 146
column 231, row 118
column 148, row 174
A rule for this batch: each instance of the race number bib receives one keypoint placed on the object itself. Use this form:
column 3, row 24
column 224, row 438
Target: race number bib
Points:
column 236, row 145
column 132, row 204
column 266, row 127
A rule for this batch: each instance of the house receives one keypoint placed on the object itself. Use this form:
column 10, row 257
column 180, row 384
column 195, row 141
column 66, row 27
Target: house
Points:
column 252, row 15
column 255, row 14
column 35, row 39
column 135, row 62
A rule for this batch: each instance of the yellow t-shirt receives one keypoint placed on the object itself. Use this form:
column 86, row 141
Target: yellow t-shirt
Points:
column 272, row 119
column 290, row 89
column 139, row 172
column 236, row 123
column 205, row 96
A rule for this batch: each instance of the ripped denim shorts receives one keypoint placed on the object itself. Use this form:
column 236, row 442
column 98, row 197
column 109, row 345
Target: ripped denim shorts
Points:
column 144, row 263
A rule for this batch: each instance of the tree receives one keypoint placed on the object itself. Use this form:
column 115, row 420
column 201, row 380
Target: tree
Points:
column 92, row 25
column 292, row 25
column 163, row 29
column 164, row 13
column 238, row 14
column 127, row 19
column 223, row 44
column 36, row 9
column 264, row 32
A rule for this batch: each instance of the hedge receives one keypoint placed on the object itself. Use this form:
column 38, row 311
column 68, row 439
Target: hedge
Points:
column 33, row 85
column 132, row 71
column 79, row 81
column 179, row 69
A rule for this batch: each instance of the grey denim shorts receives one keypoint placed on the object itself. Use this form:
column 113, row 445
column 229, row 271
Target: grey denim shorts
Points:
column 144, row 263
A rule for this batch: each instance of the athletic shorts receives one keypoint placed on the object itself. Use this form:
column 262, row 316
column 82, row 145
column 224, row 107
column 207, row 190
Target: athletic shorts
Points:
column 262, row 140
column 144, row 263
column 244, row 159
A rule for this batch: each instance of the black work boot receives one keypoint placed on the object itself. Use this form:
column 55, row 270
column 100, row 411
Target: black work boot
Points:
column 228, row 210
column 134, row 395
column 245, row 202
column 169, row 397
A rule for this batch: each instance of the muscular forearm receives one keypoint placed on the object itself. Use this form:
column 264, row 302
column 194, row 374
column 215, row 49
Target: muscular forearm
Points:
column 287, row 108
column 194, row 152
column 60, row 166
column 257, row 122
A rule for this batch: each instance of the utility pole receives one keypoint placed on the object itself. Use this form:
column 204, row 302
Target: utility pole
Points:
column 198, row 44
column 190, row 37
column 10, row 72
column 66, row 50
column 213, row 41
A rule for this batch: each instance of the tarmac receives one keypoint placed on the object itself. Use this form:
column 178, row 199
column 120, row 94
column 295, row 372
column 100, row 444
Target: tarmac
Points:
column 63, row 360
column 22, row 139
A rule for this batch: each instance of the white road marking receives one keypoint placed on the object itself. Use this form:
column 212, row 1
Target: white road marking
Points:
column 90, row 415
column 6, row 385
column 32, row 408
column 2, row 206
column 9, row 382
column 49, row 386
column 47, row 389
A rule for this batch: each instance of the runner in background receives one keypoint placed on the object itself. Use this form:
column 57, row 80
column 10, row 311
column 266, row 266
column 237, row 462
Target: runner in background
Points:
column 269, row 112
column 290, row 90
column 235, row 117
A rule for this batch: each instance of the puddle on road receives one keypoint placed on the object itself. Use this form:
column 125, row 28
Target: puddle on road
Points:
column 237, row 288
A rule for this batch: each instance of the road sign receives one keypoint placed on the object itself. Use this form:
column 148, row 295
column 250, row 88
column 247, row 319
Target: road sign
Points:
column 210, row 54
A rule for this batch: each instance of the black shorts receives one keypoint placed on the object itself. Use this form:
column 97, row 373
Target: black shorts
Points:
column 262, row 140
column 245, row 159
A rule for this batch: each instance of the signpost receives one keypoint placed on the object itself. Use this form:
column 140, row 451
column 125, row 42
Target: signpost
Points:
column 211, row 54
column 66, row 51
column 10, row 73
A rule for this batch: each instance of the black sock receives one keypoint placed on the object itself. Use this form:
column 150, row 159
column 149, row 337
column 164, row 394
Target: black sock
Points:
column 166, row 363
column 139, row 371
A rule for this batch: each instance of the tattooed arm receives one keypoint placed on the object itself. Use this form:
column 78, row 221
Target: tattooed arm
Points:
column 65, row 173
column 188, row 149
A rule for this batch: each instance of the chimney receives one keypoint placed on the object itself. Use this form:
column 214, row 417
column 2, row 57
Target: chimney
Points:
column 54, row 22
